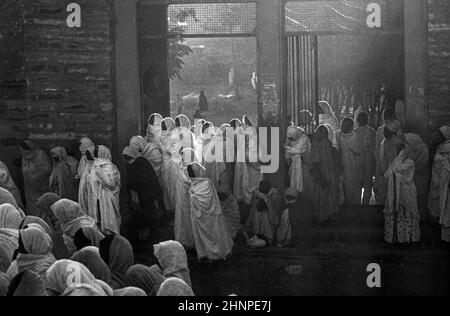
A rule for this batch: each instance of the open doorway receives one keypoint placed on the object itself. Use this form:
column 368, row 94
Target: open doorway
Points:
column 223, row 70
column 356, row 70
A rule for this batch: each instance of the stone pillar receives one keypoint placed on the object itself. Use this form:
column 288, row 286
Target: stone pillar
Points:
column 270, row 75
column 416, row 67
column 127, row 72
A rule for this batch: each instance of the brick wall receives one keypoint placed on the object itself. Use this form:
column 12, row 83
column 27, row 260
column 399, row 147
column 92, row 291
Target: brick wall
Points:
column 439, row 63
column 69, row 79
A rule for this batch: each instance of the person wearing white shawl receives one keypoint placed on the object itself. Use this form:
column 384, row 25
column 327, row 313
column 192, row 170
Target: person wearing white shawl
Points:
column 216, row 153
column 172, row 261
column 10, row 217
column 63, row 177
column 183, row 128
column 212, row 239
column 402, row 219
column 183, row 223
column 203, row 139
column 298, row 146
column 85, row 193
column 105, row 184
column 85, row 145
column 154, row 128
column 247, row 174
column 328, row 116
column 35, row 251
column 7, row 182
column 148, row 150
column 438, row 199
column 175, row 287
column 170, row 147
column 64, row 275
column 9, row 242
column 72, row 219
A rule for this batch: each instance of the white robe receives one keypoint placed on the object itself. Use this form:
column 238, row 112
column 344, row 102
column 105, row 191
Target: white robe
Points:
column 105, row 182
column 183, row 223
column 212, row 239
column 301, row 147
column 170, row 165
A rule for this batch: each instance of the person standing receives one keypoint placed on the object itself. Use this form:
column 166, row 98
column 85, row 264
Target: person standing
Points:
column 203, row 102
column 105, row 184
column 36, row 170
column 438, row 199
column 145, row 190
column 351, row 157
column 63, row 177
column 366, row 140
column 402, row 219
column 325, row 169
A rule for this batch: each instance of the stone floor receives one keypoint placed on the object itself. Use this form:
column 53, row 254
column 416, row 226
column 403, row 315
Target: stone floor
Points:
column 337, row 265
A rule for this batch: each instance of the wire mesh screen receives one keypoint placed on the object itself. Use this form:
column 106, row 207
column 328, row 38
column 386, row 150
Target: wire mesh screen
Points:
column 213, row 19
column 345, row 16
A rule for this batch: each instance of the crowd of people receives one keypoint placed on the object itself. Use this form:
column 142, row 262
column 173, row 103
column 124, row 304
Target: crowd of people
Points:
column 69, row 222
column 353, row 163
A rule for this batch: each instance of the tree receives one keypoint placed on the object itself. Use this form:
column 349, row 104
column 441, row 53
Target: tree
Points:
column 177, row 47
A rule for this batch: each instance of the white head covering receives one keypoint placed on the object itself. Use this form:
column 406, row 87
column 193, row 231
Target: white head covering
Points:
column 445, row 130
column 175, row 287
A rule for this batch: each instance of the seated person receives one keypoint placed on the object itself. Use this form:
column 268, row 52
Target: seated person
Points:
column 297, row 222
column 265, row 212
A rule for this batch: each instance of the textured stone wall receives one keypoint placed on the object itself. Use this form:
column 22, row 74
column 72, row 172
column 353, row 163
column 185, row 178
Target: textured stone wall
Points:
column 68, row 71
column 439, row 63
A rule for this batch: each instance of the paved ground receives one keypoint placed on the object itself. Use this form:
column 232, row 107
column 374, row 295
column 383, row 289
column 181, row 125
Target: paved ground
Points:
column 336, row 266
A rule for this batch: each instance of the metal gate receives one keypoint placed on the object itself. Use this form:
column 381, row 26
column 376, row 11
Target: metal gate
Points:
column 302, row 80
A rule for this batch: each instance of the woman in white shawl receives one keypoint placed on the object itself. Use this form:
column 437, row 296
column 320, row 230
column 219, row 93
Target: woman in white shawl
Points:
column 170, row 147
column 7, row 182
column 438, row 200
column 148, row 150
column 10, row 217
column 105, row 183
column 298, row 146
column 63, row 177
column 35, row 251
column 73, row 219
column 203, row 140
column 183, row 223
column 85, row 145
column 36, row 169
column 65, row 275
column 212, row 239
column 172, row 261
column 247, row 174
column 402, row 219
column 154, row 128
column 216, row 153
column 85, row 193
column 183, row 128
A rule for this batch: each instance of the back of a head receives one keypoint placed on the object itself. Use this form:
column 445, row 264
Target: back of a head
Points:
column 347, row 125
column 389, row 115
column 175, row 287
column 363, row 119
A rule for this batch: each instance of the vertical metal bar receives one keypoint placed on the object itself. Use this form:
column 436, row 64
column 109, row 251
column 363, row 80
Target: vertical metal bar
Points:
column 316, row 73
